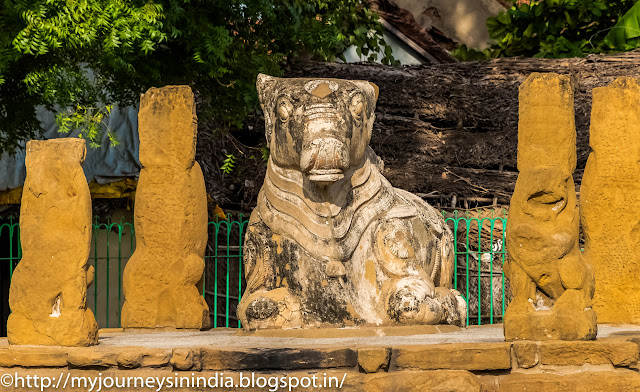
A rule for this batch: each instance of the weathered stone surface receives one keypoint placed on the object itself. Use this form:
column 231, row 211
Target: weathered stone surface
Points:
column 129, row 359
column 481, row 356
column 615, row 352
column 404, row 381
column 610, row 201
column 125, row 357
column 163, row 278
column 588, row 381
column 526, row 354
column 331, row 242
column 551, row 282
column 604, row 365
column 319, row 333
column 183, row 359
column 92, row 358
column 32, row 357
column 420, row 381
column 414, row 381
column 281, row 359
column 155, row 358
column 374, row 359
column 48, row 294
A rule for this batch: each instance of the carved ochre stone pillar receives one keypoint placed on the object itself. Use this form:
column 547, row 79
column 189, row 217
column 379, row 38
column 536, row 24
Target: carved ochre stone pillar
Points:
column 552, row 284
column 48, row 295
column 610, row 201
column 163, row 278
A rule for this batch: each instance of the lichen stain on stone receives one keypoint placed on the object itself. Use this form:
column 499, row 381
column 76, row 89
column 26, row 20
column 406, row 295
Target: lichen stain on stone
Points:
column 370, row 271
column 278, row 240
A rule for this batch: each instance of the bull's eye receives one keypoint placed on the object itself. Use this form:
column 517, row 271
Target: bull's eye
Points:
column 284, row 109
column 357, row 107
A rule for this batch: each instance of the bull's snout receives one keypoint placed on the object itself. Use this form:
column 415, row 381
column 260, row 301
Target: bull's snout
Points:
column 325, row 160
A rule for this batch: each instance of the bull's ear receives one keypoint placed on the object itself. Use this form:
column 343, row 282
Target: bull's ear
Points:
column 370, row 89
column 264, row 83
column 376, row 90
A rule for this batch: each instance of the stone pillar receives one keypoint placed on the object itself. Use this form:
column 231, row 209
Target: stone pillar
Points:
column 551, row 283
column 610, row 201
column 163, row 279
column 48, row 295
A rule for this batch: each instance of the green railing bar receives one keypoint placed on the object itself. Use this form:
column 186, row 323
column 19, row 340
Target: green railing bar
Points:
column 19, row 249
column 479, row 270
column 108, row 229
column 241, row 224
column 467, row 267
column 215, row 275
column 95, row 266
column 227, row 297
column 492, row 222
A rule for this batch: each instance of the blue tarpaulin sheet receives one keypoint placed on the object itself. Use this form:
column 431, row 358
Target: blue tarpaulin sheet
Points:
column 103, row 164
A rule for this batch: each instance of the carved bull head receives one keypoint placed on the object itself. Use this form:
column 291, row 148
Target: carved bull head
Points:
column 320, row 127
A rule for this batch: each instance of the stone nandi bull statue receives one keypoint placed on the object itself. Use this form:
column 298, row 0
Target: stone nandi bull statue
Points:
column 331, row 242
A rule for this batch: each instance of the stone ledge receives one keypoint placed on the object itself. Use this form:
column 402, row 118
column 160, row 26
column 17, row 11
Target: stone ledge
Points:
column 278, row 359
column 320, row 333
column 459, row 356
column 406, row 381
column 616, row 352
column 224, row 350
column 124, row 357
column 588, row 381
column 401, row 381
column 33, row 356
column 607, row 351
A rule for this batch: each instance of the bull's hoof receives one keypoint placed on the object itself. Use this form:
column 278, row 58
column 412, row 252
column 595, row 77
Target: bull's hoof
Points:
column 407, row 308
column 261, row 308
column 277, row 308
column 412, row 302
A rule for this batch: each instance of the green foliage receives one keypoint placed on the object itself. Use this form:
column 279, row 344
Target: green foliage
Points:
column 264, row 153
column 625, row 34
column 229, row 164
column 561, row 28
column 84, row 53
column 90, row 121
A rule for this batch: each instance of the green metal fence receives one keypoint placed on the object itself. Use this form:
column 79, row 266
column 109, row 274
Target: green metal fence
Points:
column 479, row 244
column 12, row 252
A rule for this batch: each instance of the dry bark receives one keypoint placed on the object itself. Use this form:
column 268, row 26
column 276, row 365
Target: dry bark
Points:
column 451, row 129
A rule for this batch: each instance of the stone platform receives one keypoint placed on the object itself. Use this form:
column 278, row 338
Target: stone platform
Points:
column 440, row 358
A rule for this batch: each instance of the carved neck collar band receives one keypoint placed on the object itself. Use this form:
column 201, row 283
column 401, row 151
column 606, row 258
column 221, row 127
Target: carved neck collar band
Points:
column 288, row 206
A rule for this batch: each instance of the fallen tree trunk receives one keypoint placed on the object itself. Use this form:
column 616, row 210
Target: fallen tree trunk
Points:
column 449, row 131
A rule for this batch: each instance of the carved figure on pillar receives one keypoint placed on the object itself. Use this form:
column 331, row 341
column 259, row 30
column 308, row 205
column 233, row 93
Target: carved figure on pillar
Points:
column 551, row 282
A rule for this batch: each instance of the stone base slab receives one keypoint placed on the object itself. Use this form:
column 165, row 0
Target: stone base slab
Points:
column 451, row 361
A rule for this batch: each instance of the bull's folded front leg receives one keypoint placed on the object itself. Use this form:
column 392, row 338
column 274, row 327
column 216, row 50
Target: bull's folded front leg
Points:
column 265, row 309
column 413, row 300
column 263, row 305
column 411, row 257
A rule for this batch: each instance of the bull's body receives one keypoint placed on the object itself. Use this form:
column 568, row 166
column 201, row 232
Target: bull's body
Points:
column 331, row 241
